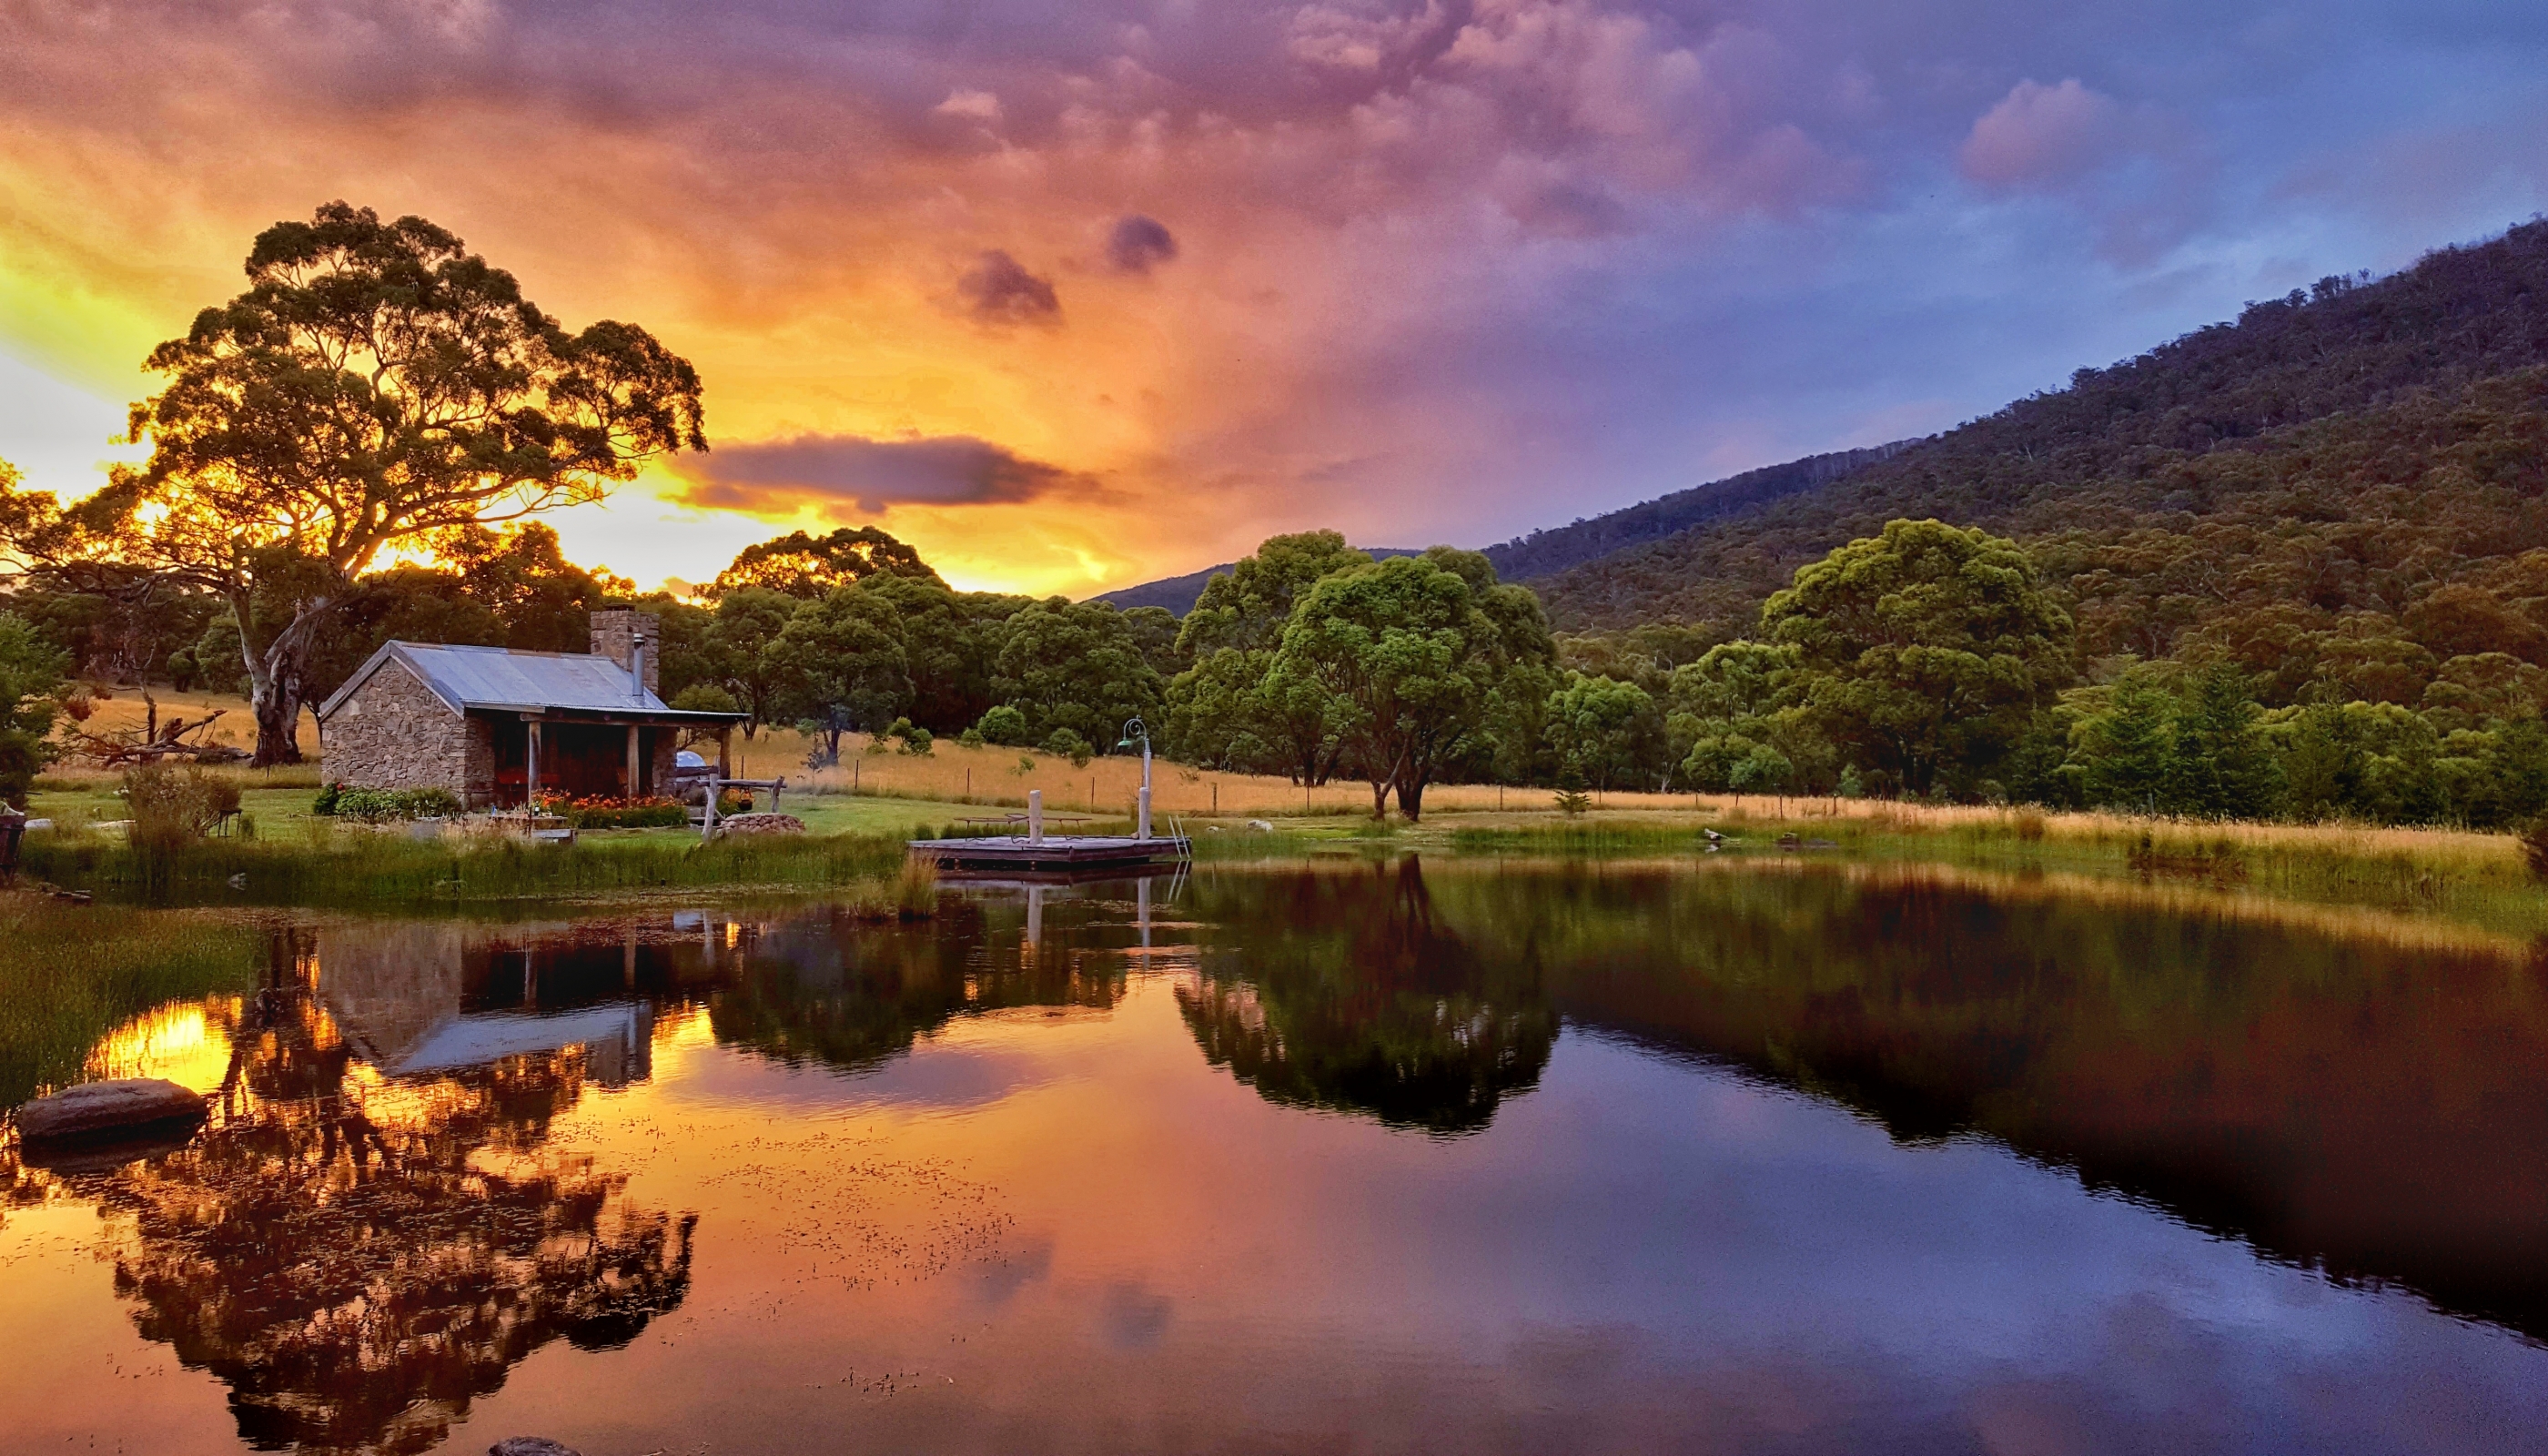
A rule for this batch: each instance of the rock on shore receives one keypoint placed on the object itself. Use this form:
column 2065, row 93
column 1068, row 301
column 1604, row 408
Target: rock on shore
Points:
column 763, row 824
column 98, row 1111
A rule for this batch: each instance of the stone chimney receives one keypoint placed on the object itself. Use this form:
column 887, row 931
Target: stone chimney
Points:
column 615, row 631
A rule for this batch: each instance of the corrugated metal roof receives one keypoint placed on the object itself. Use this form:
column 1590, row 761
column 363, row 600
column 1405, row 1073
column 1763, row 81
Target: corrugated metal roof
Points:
column 502, row 677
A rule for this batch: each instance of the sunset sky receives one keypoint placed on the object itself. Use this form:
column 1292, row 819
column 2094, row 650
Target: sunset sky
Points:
column 1076, row 296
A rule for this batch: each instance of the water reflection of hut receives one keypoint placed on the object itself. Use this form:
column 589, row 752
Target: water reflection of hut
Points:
column 400, row 993
column 358, row 1263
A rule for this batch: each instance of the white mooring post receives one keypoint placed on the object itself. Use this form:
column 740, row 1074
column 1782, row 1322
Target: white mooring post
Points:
column 1034, row 816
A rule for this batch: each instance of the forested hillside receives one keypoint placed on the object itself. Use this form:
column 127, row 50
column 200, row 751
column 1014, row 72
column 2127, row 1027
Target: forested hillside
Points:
column 2150, row 447
column 1547, row 552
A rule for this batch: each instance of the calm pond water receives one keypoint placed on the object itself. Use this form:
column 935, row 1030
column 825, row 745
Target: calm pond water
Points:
column 1456, row 1158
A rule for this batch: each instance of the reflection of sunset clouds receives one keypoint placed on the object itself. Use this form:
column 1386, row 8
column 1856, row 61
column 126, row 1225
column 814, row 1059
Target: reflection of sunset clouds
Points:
column 178, row 1041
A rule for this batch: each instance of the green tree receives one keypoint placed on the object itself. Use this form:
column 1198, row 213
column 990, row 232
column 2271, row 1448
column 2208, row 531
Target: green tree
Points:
column 841, row 664
column 2171, row 740
column 1406, row 653
column 2220, row 764
column 2125, row 752
column 1726, row 727
column 1245, row 607
column 1603, row 729
column 31, row 672
column 810, row 567
column 376, row 385
column 2322, row 764
column 1230, row 711
column 739, row 647
column 1925, row 650
column 955, row 639
column 1225, row 708
column 1155, row 632
column 1076, row 666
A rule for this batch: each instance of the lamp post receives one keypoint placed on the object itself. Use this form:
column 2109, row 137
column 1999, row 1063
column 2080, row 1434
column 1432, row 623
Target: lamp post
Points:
column 1131, row 729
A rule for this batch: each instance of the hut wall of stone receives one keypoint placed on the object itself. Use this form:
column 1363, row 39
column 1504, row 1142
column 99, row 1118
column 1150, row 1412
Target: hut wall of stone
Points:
column 394, row 733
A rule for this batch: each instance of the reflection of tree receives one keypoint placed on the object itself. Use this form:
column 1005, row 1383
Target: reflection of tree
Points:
column 358, row 1260
column 2365, row 1095
column 850, row 994
column 1350, row 993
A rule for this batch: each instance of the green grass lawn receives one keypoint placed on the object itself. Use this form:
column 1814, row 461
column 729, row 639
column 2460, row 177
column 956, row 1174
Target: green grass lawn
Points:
column 284, row 814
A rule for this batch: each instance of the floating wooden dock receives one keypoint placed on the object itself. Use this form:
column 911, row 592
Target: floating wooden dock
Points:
column 1053, row 851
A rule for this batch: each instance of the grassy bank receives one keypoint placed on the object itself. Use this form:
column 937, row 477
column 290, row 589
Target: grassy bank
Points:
column 356, row 868
column 2477, row 878
column 73, row 973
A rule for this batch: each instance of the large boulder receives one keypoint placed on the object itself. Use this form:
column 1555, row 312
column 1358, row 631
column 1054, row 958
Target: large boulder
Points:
column 99, row 1112
column 763, row 824
column 530, row 1446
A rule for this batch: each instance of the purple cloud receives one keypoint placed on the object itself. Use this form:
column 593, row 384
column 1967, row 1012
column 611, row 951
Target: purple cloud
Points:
column 778, row 475
column 998, row 289
column 1139, row 243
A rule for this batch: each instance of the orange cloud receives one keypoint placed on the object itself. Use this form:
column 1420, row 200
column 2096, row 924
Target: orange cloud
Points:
column 826, row 218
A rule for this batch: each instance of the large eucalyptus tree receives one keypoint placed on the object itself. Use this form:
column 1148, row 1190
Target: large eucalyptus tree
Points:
column 376, row 385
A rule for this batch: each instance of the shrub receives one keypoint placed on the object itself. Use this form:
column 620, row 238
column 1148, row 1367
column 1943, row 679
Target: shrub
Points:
column 918, row 743
column 706, row 697
column 1004, row 726
column 1066, row 743
column 174, row 804
column 970, row 738
column 328, row 792
column 2534, row 846
column 380, row 805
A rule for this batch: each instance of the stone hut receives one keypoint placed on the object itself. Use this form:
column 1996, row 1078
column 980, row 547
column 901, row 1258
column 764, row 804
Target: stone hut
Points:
column 496, row 726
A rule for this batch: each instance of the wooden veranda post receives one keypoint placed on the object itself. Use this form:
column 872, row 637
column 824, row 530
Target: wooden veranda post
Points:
column 531, row 765
column 632, row 761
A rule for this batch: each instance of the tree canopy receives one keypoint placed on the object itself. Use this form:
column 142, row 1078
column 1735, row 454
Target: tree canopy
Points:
column 843, row 664
column 807, row 565
column 31, row 675
column 1921, row 649
column 1406, row 653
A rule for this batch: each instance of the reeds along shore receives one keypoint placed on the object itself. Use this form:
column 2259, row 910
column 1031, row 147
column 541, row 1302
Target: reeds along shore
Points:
column 366, row 868
column 73, row 973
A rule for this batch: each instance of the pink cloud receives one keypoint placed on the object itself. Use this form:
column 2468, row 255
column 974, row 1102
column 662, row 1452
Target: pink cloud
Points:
column 2038, row 134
